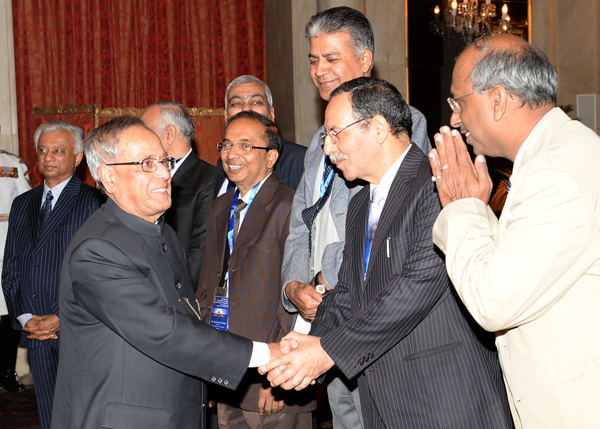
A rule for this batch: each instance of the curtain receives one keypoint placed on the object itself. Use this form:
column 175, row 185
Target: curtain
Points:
column 130, row 53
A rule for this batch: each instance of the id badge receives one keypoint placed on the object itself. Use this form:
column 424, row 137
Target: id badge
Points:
column 219, row 315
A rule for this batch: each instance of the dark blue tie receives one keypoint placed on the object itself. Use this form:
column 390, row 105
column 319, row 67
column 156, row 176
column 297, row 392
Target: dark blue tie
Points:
column 46, row 210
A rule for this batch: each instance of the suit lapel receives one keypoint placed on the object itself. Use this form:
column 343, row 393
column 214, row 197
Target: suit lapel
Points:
column 184, row 170
column 397, row 201
column 257, row 214
column 62, row 208
column 33, row 212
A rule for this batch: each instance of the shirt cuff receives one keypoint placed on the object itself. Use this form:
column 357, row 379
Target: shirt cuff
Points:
column 260, row 355
column 24, row 318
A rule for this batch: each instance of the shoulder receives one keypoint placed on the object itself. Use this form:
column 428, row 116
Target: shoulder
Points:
column 293, row 148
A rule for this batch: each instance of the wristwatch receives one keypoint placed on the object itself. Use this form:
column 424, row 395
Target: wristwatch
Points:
column 320, row 287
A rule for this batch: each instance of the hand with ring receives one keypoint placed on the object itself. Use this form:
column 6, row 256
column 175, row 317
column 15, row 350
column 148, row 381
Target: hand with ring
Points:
column 454, row 174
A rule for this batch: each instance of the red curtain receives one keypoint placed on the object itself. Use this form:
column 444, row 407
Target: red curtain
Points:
column 130, row 53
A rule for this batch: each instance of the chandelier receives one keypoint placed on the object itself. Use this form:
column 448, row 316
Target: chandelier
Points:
column 470, row 19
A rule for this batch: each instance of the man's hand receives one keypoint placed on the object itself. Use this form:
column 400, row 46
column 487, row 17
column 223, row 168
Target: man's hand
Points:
column 43, row 328
column 267, row 403
column 301, row 365
column 304, row 297
column 457, row 177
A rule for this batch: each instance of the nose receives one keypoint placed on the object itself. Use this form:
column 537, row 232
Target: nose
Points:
column 321, row 68
column 233, row 152
column 455, row 120
column 246, row 107
column 328, row 146
column 162, row 171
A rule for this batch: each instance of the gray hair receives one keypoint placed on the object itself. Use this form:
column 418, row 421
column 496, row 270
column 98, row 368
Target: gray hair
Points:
column 347, row 20
column 249, row 79
column 102, row 144
column 60, row 126
column 176, row 114
column 525, row 72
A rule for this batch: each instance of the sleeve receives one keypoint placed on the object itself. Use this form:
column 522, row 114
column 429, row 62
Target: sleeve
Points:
column 118, row 294
column 11, row 267
column 392, row 314
column 511, row 278
column 296, row 262
column 195, row 253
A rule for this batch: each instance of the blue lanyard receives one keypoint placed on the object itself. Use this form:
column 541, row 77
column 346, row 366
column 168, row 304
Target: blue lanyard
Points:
column 326, row 179
column 234, row 203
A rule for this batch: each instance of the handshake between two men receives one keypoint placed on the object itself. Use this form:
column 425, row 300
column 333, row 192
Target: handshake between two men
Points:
column 299, row 361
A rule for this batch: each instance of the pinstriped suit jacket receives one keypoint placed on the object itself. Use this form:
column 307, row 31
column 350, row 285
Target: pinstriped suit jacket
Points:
column 31, row 274
column 421, row 361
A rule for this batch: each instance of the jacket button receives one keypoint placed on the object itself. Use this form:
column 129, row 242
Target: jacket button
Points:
column 220, row 380
column 213, row 379
column 226, row 382
column 165, row 247
column 34, row 295
column 178, row 286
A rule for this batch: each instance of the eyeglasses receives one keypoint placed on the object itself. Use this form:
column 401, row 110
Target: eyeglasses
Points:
column 225, row 147
column 333, row 136
column 453, row 102
column 149, row 165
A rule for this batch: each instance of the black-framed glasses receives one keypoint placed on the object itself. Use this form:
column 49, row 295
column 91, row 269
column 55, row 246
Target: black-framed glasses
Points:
column 333, row 136
column 453, row 102
column 225, row 147
column 149, row 165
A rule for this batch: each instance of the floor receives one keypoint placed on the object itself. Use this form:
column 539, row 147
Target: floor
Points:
column 19, row 411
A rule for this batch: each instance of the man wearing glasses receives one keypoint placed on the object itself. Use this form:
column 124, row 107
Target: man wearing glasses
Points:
column 342, row 46
column 40, row 226
column 393, row 322
column 240, row 285
column 191, row 180
column 134, row 350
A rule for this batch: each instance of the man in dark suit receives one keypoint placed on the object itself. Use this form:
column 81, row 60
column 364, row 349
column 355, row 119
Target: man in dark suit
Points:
column 393, row 320
column 41, row 224
column 250, row 93
column 244, row 250
column 192, row 179
column 134, row 349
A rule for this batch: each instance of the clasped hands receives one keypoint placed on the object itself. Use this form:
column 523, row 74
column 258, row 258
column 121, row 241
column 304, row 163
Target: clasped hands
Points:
column 297, row 362
column 42, row 328
column 455, row 176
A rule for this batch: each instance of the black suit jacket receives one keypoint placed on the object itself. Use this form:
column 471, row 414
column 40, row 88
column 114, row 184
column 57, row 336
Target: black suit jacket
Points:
column 420, row 360
column 289, row 167
column 31, row 272
column 133, row 351
column 191, row 195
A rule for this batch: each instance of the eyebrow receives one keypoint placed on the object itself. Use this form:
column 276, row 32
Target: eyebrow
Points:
column 246, row 98
column 327, row 55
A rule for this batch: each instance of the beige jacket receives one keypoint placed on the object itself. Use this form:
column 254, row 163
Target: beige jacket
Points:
column 533, row 276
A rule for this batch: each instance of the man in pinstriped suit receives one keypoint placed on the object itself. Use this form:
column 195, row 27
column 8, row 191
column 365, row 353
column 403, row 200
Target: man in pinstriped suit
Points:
column 393, row 321
column 34, row 251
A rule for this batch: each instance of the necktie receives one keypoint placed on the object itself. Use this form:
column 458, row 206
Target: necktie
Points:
column 46, row 210
column 375, row 208
column 309, row 214
column 241, row 205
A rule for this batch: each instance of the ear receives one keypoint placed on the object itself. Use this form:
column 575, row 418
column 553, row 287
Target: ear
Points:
column 225, row 114
column 272, row 157
column 366, row 59
column 272, row 110
column 380, row 128
column 170, row 134
column 107, row 177
column 78, row 158
column 499, row 98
